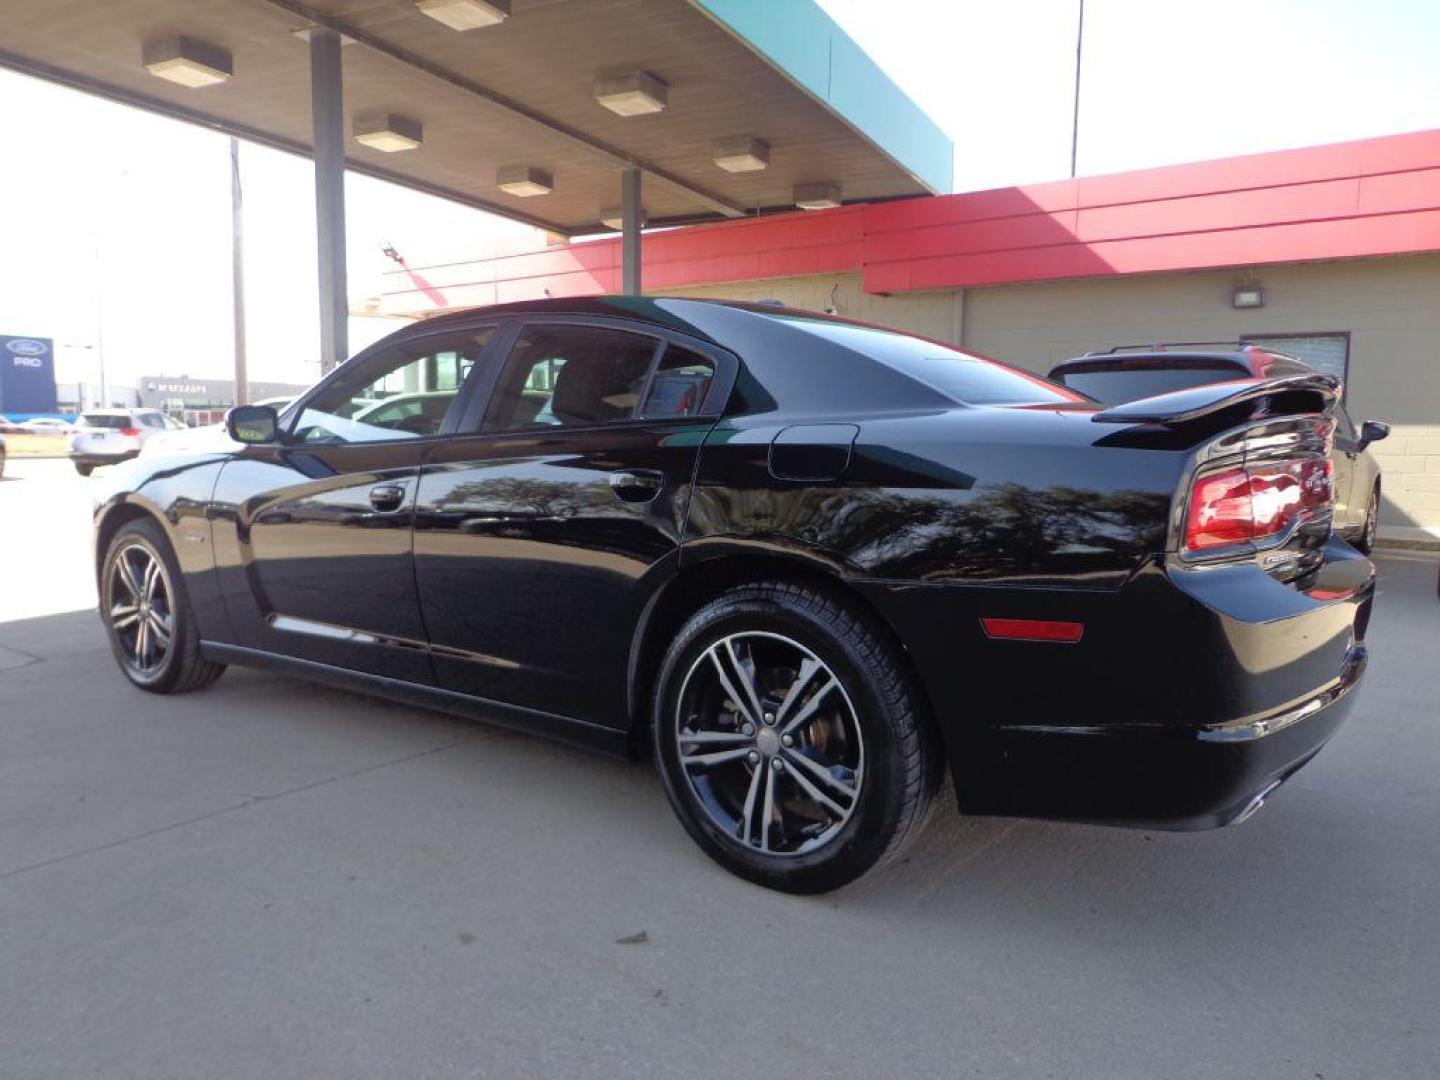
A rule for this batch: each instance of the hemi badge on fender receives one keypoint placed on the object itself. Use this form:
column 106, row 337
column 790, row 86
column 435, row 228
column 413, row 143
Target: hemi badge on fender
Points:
column 1065, row 633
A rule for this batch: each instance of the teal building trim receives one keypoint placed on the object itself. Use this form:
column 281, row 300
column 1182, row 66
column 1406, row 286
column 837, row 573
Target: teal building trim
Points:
column 805, row 44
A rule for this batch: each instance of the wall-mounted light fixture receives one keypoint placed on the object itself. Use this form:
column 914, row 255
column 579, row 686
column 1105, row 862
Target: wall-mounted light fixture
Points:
column 1248, row 296
column 633, row 94
column 187, row 61
column 524, row 180
column 466, row 14
column 387, row 131
column 613, row 217
column 742, row 154
column 817, row 196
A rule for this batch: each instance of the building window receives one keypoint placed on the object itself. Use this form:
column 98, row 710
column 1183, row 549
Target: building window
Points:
column 1329, row 353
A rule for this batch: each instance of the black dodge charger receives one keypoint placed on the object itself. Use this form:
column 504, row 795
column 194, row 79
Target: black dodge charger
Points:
column 807, row 563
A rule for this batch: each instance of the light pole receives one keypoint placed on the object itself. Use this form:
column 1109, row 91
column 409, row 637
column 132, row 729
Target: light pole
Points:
column 1075, row 119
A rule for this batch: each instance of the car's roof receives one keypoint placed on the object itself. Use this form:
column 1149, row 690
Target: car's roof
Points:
column 795, row 361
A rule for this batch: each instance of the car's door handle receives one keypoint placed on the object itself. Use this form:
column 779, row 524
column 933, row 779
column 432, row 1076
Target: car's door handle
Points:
column 638, row 485
column 387, row 497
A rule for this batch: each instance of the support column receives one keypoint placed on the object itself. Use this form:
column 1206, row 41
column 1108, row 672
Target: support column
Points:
column 327, row 123
column 237, row 273
column 630, row 231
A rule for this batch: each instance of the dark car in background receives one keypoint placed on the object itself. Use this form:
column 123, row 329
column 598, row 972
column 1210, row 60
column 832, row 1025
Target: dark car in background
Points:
column 807, row 563
column 1129, row 372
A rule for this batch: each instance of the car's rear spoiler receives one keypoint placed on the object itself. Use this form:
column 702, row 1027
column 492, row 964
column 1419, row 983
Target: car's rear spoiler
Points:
column 1181, row 406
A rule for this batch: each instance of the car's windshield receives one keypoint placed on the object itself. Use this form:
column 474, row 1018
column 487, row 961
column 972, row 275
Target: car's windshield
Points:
column 961, row 376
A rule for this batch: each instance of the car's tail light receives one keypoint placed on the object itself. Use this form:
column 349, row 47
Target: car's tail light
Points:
column 129, row 431
column 1254, row 503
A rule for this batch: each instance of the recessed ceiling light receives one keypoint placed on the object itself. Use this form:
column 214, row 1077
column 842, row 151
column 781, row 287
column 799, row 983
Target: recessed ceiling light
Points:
column 742, row 154
column 187, row 61
column 614, row 218
column 632, row 94
column 817, row 196
column 388, row 131
column 466, row 14
column 524, row 181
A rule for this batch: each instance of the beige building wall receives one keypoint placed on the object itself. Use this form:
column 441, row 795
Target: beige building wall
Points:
column 1390, row 307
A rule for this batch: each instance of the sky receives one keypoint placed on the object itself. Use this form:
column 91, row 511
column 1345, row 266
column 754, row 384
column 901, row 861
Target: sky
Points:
column 116, row 223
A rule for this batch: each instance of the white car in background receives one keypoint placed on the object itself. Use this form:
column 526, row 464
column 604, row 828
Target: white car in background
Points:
column 47, row 425
column 105, row 436
column 210, row 437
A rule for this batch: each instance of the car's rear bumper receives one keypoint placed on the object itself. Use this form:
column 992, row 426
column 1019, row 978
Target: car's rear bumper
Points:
column 1190, row 696
column 89, row 457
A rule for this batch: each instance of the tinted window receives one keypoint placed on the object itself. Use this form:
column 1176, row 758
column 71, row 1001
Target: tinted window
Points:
column 1117, row 387
column 680, row 384
column 106, row 420
column 960, row 376
column 571, row 376
column 402, row 392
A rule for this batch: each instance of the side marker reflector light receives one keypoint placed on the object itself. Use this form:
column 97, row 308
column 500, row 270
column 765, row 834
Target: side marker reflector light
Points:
column 1033, row 630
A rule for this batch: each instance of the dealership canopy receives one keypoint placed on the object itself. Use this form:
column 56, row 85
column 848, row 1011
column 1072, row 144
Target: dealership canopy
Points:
column 520, row 116
column 551, row 112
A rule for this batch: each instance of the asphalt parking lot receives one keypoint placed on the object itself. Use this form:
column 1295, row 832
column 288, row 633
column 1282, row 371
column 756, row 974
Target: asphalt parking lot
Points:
column 273, row 879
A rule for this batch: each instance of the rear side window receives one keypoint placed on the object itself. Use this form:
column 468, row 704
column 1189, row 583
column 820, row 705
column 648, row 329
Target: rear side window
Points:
column 680, row 384
column 963, row 377
column 571, row 376
column 106, row 420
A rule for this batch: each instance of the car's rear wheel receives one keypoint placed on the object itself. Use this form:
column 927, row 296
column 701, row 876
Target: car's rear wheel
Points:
column 790, row 738
column 84, row 470
column 1372, row 522
column 147, row 613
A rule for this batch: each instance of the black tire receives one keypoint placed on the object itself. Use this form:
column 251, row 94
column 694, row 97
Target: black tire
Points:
column 84, row 470
column 1365, row 542
column 180, row 668
column 898, row 767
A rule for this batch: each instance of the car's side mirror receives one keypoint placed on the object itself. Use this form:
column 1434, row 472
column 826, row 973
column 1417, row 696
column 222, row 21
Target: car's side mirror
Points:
column 253, row 424
column 1372, row 431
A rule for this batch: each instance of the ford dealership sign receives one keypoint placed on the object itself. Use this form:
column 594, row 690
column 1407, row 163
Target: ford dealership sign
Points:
column 27, row 375
column 28, row 346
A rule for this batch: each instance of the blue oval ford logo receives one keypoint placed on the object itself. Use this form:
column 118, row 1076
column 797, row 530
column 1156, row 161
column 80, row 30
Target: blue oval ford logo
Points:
column 27, row 347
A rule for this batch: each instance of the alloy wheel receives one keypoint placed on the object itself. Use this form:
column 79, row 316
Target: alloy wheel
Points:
column 139, row 609
column 769, row 743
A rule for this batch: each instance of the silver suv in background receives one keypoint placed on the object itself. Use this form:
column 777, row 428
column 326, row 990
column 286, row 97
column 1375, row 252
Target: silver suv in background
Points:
column 105, row 436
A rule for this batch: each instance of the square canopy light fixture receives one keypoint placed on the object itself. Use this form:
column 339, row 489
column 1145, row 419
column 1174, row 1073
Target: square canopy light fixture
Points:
column 817, row 196
column 632, row 94
column 466, row 14
column 388, row 131
column 742, row 154
column 614, row 218
column 524, row 181
column 187, row 61
column 1248, row 296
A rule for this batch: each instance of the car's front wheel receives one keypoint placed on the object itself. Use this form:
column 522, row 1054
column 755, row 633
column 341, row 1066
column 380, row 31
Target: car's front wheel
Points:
column 790, row 738
column 147, row 613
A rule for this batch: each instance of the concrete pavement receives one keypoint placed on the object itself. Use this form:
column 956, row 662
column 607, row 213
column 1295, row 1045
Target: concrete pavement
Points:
column 272, row 879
